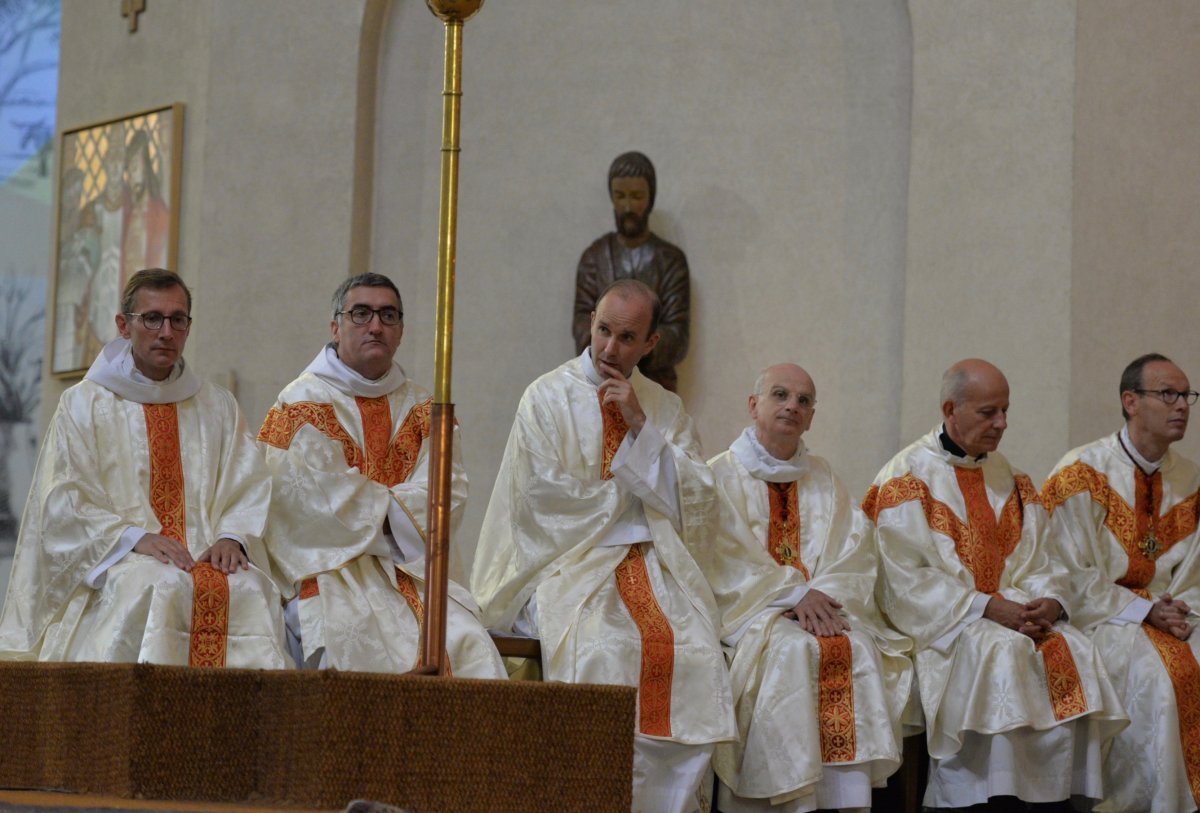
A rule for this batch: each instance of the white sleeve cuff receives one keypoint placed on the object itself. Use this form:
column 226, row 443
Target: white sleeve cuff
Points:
column 641, row 466
column 978, row 605
column 129, row 538
column 408, row 544
column 784, row 602
column 1135, row 612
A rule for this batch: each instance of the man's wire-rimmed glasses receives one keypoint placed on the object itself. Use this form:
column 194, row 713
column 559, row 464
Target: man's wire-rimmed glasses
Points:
column 154, row 320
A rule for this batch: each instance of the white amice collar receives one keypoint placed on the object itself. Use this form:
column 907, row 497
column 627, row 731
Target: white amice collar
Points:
column 114, row 370
column 589, row 367
column 1139, row 461
column 331, row 369
column 764, row 465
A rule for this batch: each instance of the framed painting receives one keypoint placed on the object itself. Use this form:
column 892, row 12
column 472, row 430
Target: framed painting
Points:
column 118, row 212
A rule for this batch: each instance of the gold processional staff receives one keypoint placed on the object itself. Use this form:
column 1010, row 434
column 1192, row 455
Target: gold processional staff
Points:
column 453, row 13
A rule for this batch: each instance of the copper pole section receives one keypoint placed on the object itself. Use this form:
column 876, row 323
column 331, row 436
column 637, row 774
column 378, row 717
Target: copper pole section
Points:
column 437, row 556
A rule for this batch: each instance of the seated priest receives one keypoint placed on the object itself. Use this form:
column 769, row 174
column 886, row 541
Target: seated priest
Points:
column 348, row 446
column 820, row 683
column 601, row 509
column 1124, row 511
column 1016, row 700
column 142, row 537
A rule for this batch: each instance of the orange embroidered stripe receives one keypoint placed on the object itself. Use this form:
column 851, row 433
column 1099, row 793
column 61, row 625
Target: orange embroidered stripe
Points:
column 614, row 432
column 783, row 534
column 1181, row 665
column 1122, row 520
column 309, row 588
column 658, row 644
column 282, row 424
column 836, row 700
column 983, row 557
column 166, row 470
column 633, row 584
column 1062, row 677
column 392, row 463
column 384, row 462
column 210, row 616
column 210, row 587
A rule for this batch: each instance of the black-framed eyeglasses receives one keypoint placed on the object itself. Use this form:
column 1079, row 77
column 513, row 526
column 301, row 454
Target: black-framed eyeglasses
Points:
column 1171, row 396
column 362, row 315
column 154, row 320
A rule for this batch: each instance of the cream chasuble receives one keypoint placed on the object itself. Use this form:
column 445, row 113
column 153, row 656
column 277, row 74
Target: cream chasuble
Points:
column 124, row 456
column 951, row 532
column 350, row 461
column 556, row 545
column 805, row 704
column 1128, row 538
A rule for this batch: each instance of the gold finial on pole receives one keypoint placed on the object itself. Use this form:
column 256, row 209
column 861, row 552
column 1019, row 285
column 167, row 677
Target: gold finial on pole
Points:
column 437, row 556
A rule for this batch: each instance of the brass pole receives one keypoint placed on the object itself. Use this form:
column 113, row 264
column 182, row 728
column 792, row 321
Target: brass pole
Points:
column 437, row 558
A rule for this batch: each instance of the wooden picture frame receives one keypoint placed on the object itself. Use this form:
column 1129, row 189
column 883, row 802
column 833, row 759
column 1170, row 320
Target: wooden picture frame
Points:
column 118, row 212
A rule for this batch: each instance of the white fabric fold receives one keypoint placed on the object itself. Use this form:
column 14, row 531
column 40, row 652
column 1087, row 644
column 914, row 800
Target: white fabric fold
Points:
column 332, row 370
column 114, row 370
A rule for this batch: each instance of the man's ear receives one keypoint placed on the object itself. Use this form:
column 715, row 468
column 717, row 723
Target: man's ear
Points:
column 651, row 342
column 1129, row 400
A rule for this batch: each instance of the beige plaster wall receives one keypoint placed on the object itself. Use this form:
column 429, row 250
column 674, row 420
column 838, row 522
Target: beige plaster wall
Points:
column 871, row 189
column 269, row 89
column 781, row 145
column 1136, row 224
column 989, row 239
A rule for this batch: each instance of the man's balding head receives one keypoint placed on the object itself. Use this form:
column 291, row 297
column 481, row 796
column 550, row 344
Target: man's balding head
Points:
column 782, row 407
column 975, row 405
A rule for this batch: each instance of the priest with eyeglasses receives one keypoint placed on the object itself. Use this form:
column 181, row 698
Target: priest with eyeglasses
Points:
column 1124, row 511
column 142, row 536
column 348, row 445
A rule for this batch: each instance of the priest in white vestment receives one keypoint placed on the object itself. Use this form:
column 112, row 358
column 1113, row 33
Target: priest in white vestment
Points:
column 591, row 541
column 1016, row 700
column 1123, row 510
column 820, row 683
column 348, row 447
column 141, row 538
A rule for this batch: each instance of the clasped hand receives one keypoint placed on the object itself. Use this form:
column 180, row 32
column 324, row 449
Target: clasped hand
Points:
column 818, row 613
column 1034, row 619
column 1170, row 615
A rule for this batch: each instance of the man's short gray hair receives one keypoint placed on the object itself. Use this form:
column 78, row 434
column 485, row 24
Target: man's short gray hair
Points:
column 367, row 280
column 760, row 382
column 954, row 385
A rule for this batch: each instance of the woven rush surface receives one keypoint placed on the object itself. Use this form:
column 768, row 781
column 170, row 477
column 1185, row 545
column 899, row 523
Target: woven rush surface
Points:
column 316, row 739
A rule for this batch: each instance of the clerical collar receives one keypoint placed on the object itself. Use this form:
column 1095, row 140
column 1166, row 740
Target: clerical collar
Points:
column 331, row 369
column 954, row 449
column 589, row 367
column 766, row 466
column 1136, row 456
column 114, row 369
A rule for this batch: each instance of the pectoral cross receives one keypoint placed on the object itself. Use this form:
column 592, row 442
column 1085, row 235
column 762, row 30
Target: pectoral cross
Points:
column 1149, row 546
column 131, row 9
